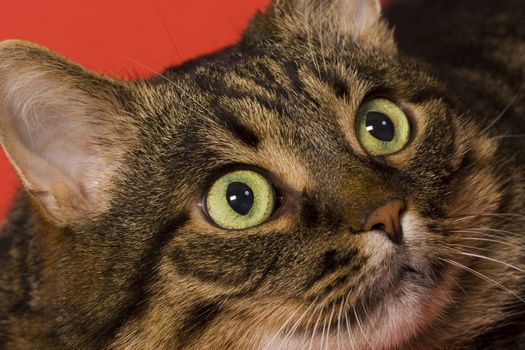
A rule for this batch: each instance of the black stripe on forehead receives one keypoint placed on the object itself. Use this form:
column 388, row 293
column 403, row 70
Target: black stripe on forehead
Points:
column 212, row 81
column 219, row 81
column 259, row 73
column 236, row 128
column 340, row 87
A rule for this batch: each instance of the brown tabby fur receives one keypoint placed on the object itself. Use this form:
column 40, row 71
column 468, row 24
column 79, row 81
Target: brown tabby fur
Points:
column 141, row 267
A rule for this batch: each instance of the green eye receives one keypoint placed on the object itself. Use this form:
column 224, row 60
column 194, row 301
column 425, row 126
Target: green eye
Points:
column 240, row 199
column 382, row 127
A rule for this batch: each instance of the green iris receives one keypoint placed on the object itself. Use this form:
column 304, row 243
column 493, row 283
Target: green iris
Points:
column 382, row 127
column 240, row 199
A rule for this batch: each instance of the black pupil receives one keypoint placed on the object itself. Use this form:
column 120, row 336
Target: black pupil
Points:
column 380, row 126
column 239, row 197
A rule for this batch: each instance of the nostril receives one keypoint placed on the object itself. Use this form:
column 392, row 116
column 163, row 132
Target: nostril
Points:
column 378, row 227
column 386, row 218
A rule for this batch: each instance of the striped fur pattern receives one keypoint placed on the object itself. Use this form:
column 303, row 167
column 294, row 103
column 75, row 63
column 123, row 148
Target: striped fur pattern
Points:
column 133, row 263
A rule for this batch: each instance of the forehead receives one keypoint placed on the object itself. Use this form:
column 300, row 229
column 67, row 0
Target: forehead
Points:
column 291, row 114
column 260, row 108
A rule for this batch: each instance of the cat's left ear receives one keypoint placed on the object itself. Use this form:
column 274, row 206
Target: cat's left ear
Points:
column 63, row 128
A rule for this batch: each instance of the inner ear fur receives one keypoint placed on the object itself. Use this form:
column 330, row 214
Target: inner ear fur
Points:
column 334, row 20
column 64, row 129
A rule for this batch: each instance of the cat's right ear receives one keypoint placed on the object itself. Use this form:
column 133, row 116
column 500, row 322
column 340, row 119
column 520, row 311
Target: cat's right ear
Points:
column 333, row 19
column 350, row 17
column 63, row 128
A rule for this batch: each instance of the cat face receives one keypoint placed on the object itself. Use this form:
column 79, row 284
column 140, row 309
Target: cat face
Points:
column 250, row 199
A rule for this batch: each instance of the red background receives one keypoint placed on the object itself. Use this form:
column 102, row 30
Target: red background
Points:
column 122, row 38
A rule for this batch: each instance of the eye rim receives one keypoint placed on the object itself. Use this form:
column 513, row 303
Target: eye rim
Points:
column 396, row 104
column 278, row 198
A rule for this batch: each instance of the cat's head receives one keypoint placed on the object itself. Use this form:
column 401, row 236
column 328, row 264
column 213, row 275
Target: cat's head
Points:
column 308, row 187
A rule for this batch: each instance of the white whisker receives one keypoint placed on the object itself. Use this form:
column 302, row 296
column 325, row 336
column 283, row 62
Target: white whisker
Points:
column 507, row 243
column 348, row 326
column 315, row 328
column 272, row 339
column 369, row 320
column 261, row 320
column 340, row 313
column 507, row 107
column 471, row 216
column 294, row 327
column 493, row 260
column 509, row 136
column 362, row 329
column 482, row 276
column 330, row 324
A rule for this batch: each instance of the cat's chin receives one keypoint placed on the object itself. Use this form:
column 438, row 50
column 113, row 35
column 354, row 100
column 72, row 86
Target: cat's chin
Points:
column 405, row 306
column 399, row 320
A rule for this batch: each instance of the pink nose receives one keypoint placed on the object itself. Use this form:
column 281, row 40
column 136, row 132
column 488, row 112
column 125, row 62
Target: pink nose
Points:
column 387, row 219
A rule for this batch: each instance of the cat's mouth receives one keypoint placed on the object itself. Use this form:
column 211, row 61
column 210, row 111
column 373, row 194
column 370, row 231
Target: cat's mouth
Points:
column 403, row 302
column 382, row 295
column 380, row 321
column 384, row 314
column 394, row 298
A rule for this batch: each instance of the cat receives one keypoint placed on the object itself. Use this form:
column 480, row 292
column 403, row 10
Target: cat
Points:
column 342, row 178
